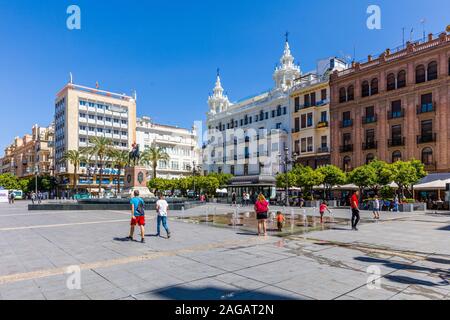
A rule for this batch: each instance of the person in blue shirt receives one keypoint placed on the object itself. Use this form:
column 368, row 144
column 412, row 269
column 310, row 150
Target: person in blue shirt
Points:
column 137, row 215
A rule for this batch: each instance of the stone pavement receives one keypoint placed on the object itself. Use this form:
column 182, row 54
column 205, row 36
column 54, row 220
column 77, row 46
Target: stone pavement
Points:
column 410, row 251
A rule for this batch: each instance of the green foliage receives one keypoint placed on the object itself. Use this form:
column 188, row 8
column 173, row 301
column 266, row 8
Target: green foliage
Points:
column 151, row 156
column 206, row 184
column 281, row 180
column 307, row 177
column 9, row 181
column 364, row 176
column 332, row 176
column 384, row 174
column 387, row 192
column 224, row 178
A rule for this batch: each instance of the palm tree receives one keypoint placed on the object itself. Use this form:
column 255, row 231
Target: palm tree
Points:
column 101, row 148
column 75, row 158
column 152, row 155
column 120, row 160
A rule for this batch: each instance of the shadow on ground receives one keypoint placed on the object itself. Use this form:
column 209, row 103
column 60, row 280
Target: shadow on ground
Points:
column 211, row 293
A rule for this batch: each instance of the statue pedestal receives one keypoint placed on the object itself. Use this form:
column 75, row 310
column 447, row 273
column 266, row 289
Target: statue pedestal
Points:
column 136, row 179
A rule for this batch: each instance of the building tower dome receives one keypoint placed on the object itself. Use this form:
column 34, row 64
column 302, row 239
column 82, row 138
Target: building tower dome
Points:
column 218, row 102
column 287, row 71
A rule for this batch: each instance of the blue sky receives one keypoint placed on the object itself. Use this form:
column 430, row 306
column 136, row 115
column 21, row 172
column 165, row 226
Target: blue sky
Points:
column 169, row 50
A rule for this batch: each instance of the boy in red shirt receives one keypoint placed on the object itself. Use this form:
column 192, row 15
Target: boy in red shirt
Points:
column 280, row 221
column 323, row 207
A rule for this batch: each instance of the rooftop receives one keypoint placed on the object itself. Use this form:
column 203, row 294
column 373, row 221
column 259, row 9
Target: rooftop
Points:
column 96, row 91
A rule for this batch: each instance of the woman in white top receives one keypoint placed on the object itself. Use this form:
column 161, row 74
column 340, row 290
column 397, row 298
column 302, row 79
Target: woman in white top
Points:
column 376, row 208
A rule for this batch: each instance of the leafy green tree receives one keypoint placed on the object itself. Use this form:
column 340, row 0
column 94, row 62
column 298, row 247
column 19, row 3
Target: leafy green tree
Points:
column 406, row 174
column 281, row 179
column 208, row 184
column 332, row 176
column 74, row 157
column 151, row 156
column 384, row 174
column 364, row 176
column 307, row 178
column 9, row 181
column 224, row 178
column 100, row 147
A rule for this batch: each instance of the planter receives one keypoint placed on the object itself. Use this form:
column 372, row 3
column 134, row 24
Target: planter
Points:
column 420, row 206
column 407, row 207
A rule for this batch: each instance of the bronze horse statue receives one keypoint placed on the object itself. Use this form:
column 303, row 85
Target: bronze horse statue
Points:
column 134, row 156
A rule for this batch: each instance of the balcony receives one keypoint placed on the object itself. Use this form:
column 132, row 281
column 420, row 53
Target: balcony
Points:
column 426, row 107
column 323, row 150
column 396, row 142
column 346, row 148
column 322, row 124
column 426, row 138
column 396, row 114
column 368, row 120
column 347, row 123
column 370, row 145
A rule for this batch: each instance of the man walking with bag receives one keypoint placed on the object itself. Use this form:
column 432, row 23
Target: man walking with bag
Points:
column 354, row 203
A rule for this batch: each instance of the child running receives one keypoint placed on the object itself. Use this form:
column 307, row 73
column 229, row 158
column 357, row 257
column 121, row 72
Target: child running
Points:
column 323, row 207
column 280, row 221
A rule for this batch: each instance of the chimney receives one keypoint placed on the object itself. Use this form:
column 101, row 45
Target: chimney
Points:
column 369, row 58
column 430, row 37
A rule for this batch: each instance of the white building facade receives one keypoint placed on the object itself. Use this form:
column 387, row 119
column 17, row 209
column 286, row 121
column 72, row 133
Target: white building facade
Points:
column 182, row 146
column 246, row 138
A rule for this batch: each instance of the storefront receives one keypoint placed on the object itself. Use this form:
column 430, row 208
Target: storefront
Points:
column 253, row 185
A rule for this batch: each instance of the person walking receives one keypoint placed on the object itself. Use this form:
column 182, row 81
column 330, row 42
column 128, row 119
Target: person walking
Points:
column 33, row 197
column 395, row 209
column 376, row 207
column 12, row 197
column 354, row 204
column 137, row 215
column 39, row 197
column 233, row 198
column 322, row 208
column 162, row 208
column 246, row 199
column 261, row 209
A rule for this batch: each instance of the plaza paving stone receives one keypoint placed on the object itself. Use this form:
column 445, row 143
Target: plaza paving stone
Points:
column 202, row 261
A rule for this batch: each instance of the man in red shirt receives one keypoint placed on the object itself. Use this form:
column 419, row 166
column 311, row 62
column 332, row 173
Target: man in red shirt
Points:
column 355, row 210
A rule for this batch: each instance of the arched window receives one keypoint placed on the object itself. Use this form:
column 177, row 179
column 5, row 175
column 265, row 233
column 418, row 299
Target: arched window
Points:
column 365, row 89
column 347, row 164
column 401, row 79
column 432, row 71
column 351, row 93
column 420, row 74
column 427, row 156
column 342, row 95
column 396, row 156
column 390, row 82
column 369, row 158
column 374, row 86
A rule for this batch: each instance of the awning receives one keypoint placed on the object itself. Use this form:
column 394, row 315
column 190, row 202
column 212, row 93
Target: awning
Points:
column 350, row 186
column 433, row 185
column 224, row 190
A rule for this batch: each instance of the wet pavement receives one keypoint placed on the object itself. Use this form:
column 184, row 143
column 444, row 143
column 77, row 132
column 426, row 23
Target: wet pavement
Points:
column 215, row 254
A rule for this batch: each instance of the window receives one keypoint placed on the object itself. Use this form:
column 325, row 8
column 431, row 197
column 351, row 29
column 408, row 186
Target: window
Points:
column 297, row 124
column 427, row 130
column 313, row 99
column 370, row 114
column 232, row 170
column 82, row 115
column 396, row 109
column 92, row 117
column 278, row 111
column 427, row 156
column 310, row 120
column 396, row 156
column 390, row 82
column 303, row 121
column 347, row 164
column 426, row 104
column 374, row 86
column 324, row 142
column 432, row 71
column 297, row 146
column 370, row 136
column 284, row 110
column 323, row 94
column 297, row 103
column 303, row 145
column 365, row 89
column 278, row 125
column 175, row 165
column 342, row 95
column 347, row 139
column 369, row 158
column 396, row 133
column 310, row 144
column 323, row 116
column 420, row 74
column 245, row 169
column 273, row 113
column 351, row 93
column 401, row 79
column 307, row 101
column 346, row 120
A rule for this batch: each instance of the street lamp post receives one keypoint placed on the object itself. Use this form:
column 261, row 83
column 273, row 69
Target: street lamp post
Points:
column 36, row 172
column 286, row 161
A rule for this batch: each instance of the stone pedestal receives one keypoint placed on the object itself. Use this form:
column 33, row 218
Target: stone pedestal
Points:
column 136, row 179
